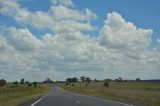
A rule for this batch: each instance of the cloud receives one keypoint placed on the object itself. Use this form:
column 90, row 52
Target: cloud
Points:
column 64, row 13
column 119, row 34
column 158, row 40
column 60, row 18
column 67, row 3
column 121, row 49
column 158, row 43
column 22, row 39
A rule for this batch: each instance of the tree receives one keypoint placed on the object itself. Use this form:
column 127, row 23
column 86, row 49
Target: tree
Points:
column 66, row 83
column 35, row 84
column 95, row 80
column 69, row 81
column 83, row 78
column 116, row 80
column 88, row 79
column 108, row 80
column 74, row 79
column 22, row 81
column 15, row 83
column 138, row 79
column 106, row 84
column 48, row 80
column 27, row 82
column 2, row 82
column 120, row 79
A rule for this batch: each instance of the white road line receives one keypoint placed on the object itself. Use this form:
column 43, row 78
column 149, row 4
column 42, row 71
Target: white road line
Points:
column 104, row 99
column 77, row 101
column 38, row 100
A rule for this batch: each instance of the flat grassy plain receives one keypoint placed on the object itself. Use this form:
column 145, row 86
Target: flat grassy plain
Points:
column 13, row 96
column 138, row 93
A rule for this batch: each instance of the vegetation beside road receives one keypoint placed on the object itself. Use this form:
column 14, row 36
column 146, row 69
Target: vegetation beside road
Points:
column 12, row 94
column 143, row 93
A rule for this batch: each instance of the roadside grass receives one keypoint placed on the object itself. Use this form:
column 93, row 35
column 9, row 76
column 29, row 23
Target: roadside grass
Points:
column 12, row 96
column 140, row 93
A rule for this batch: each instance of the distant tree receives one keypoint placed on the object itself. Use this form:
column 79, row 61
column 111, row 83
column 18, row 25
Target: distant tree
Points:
column 120, row 79
column 116, row 80
column 45, row 81
column 83, row 78
column 95, row 80
column 108, row 80
column 51, row 81
column 125, row 80
column 35, row 84
column 74, row 79
column 138, row 79
column 15, row 83
column 48, row 80
column 66, row 83
column 27, row 82
column 2, row 82
column 22, row 81
column 88, row 79
column 69, row 80
column 106, row 84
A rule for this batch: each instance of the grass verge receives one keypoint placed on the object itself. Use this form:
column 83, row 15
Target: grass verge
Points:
column 142, row 93
column 12, row 96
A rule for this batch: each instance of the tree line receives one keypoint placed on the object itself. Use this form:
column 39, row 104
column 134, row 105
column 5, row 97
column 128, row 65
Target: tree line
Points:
column 3, row 82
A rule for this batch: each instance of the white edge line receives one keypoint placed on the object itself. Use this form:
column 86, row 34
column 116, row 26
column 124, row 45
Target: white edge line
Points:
column 104, row 99
column 39, row 100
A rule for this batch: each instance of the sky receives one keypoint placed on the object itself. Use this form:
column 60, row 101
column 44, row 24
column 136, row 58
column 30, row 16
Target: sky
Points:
column 66, row 38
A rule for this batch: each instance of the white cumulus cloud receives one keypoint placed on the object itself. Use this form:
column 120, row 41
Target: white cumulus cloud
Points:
column 121, row 49
column 117, row 33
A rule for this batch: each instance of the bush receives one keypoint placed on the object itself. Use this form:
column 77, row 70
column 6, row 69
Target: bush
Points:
column 15, row 83
column 106, row 84
column 66, row 84
column 2, row 82
column 35, row 84
column 86, row 84
column 29, row 84
column 22, row 81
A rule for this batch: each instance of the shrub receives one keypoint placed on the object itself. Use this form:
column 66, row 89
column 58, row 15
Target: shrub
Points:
column 106, row 84
column 35, row 84
column 2, row 82
column 29, row 84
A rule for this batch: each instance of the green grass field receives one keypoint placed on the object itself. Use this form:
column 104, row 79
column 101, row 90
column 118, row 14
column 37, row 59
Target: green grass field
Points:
column 142, row 93
column 12, row 96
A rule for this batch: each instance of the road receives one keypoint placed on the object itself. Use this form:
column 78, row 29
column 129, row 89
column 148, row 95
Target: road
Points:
column 59, row 97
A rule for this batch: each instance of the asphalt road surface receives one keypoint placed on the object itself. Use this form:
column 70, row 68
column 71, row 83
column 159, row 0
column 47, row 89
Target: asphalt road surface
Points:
column 58, row 97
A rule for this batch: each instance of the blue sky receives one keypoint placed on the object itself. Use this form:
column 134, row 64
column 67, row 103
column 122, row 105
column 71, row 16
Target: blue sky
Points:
column 143, row 13
column 66, row 38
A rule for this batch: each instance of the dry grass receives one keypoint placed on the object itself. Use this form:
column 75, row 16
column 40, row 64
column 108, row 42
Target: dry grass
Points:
column 143, row 93
column 13, row 96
